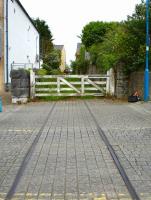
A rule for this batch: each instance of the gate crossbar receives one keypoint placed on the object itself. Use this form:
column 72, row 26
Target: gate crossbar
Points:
column 70, row 85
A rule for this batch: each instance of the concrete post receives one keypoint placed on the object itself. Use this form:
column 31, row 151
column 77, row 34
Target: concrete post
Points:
column 82, row 85
column 108, row 82
column 58, row 85
column 32, row 84
column 110, row 85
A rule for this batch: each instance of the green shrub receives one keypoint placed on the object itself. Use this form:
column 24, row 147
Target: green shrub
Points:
column 47, row 68
column 56, row 72
column 41, row 72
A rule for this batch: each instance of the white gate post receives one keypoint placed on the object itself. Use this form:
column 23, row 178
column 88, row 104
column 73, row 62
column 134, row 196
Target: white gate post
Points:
column 82, row 85
column 112, row 82
column 108, row 83
column 58, row 85
column 110, row 86
column 32, row 84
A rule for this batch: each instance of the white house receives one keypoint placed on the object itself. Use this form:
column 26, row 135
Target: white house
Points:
column 20, row 39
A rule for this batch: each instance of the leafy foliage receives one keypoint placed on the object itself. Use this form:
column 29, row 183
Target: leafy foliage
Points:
column 81, row 64
column 46, row 37
column 111, row 50
column 41, row 72
column 113, row 44
column 74, row 67
column 51, row 57
column 52, row 60
column 56, row 72
column 94, row 32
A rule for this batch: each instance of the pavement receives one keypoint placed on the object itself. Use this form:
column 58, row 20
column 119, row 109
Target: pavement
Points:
column 54, row 150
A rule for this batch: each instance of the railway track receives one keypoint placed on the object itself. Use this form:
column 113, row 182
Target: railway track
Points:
column 121, row 170
column 30, row 151
column 27, row 157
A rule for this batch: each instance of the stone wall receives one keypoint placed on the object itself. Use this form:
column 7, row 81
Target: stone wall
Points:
column 136, row 83
column 126, row 86
column 20, row 85
column 121, row 85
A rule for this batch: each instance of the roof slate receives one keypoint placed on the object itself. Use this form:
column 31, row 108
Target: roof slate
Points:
column 60, row 47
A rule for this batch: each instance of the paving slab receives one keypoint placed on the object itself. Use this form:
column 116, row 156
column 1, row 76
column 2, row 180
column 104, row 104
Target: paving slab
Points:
column 128, row 129
column 70, row 160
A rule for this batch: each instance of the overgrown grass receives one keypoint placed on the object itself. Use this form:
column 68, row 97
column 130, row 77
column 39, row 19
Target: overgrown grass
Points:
column 64, row 92
column 67, row 98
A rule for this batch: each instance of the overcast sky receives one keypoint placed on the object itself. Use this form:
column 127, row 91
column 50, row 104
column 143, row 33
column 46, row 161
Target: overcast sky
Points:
column 66, row 18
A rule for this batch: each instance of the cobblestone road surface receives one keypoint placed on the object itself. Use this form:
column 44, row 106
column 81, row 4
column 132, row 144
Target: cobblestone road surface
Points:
column 70, row 160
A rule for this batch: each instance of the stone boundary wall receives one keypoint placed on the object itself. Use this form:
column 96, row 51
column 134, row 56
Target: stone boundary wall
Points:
column 121, row 86
column 20, row 86
column 136, row 83
column 118, row 84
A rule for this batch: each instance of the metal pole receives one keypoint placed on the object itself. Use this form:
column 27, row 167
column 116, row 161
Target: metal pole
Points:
column 0, row 104
column 146, row 78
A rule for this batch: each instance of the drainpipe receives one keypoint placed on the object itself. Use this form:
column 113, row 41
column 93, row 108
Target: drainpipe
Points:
column 39, row 50
column 7, row 53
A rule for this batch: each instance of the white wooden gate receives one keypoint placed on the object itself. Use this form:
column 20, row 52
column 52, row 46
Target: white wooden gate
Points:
column 68, row 85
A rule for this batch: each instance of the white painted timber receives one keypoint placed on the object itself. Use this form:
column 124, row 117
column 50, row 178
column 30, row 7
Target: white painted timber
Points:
column 94, row 84
column 74, row 83
column 68, row 95
column 72, row 76
column 68, row 86
column 32, row 84
column 110, row 86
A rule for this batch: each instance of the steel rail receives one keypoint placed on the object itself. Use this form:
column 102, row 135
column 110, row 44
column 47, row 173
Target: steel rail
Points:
column 27, row 157
column 114, row 156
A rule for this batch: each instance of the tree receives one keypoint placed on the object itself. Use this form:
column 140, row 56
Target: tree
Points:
column 123, row 44
column 46, row 37
column 94, row 32
column 82, row 62
column 118, row 44
column 135, row 40
column 92, row 37
column 111, row 51
column 74, row 67
column 52, row 60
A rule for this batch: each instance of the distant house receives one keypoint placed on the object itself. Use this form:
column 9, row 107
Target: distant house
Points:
column 87, row 54
column 78, row 50
column 63, row 56
column 19, row 40
column 91, row 69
